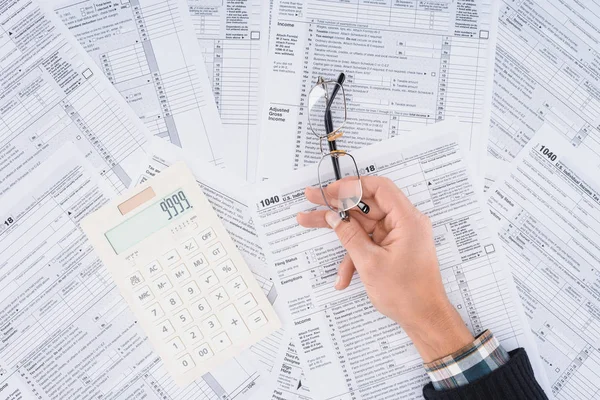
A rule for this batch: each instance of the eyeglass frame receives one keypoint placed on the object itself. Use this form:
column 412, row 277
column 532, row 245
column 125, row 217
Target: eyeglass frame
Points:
column 331, row 138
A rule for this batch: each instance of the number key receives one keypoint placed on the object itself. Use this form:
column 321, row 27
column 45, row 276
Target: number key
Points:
column 191, row 290
column 186, row 363
column 183, row 318
column 193, row 334
column 204, row 351
column 155, row 311
column 176, row 345
column 211, row 324
column 201, row 307
column 165, row 329
column 173, row 301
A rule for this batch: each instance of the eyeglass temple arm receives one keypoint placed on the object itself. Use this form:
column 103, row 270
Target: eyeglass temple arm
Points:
column 329, row 126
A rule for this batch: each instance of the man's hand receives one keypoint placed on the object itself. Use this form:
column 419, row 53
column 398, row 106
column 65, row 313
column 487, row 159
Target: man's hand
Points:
column 393, row 251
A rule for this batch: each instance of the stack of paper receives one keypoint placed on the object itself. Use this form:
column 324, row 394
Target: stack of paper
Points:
column 442, row 97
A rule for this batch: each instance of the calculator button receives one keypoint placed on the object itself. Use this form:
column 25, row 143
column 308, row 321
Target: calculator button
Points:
column 234, row 324
column 165, row 329
column 199, row 262
column 176, row 346
column 155, row 311
column 144, row 295
column 221, row 341
column 218, row 297
column 191, row 290
column 211, row 324
column 186, row 363
column 256, row 320
column 247, row 303
column 207, row 235
column 189, row 246
column 152, row 269
column 180, row 274
column 226, row 269
column 173, row 301
column 193, row 334
column 236, row 285
column 171, row 257
column 209, row 280
column 183, row 318
column 162, row 284
column 204, row 352
column 201, row 307
column 216, row 252
column 135, row 279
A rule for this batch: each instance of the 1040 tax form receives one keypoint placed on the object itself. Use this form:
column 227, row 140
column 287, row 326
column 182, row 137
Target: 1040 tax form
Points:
column 408, row 64
column 546, row 73
column 548, row 208
column 350, row 350
column 147, row 50
column 233, row 36
column 51, row 92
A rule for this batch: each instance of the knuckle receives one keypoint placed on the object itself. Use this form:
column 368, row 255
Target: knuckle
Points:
column 347, row 234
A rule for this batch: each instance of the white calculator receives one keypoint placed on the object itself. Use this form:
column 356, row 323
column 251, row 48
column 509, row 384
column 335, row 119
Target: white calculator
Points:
column 181, row 274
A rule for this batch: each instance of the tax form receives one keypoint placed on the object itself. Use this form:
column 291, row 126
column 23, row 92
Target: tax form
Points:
column 547, row 65
column 548, row 208
column 67, row 331
column 350, row 350
column 408, row 64
column 52, row 92
column 287, row 380
column 234, row 36
column 146, row 49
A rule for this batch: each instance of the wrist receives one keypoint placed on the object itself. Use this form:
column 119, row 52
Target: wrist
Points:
column 439, row 332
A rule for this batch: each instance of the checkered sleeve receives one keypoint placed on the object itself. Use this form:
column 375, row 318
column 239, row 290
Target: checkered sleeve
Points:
column 468, row 364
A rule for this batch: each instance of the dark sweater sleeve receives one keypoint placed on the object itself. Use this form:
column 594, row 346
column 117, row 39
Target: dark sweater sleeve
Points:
column 513, row 380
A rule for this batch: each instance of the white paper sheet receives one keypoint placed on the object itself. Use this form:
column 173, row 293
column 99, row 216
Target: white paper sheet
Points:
column 548, row 208
column 234, row 36
column 52, row 92
column 546, row 73
column 408, row 64
column 351, row 350
column 146, row 49
column 287, row 380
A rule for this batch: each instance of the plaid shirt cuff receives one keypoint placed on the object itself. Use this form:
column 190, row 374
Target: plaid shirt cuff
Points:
column 468, row 364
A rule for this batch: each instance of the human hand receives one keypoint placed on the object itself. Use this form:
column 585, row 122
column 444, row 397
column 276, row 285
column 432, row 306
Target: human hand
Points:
column 393, row 251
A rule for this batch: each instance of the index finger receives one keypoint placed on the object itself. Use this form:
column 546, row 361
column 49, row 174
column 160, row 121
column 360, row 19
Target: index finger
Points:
column 380, row 193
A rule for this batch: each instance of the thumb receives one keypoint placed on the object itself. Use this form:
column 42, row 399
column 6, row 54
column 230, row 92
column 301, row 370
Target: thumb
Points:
column 353, row 237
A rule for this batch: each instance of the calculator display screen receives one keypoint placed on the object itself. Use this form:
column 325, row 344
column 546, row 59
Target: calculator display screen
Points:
column 155, row 217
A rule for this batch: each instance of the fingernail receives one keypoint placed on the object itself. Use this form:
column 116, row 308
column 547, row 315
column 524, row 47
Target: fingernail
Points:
column 337, row 281
column 333, row 219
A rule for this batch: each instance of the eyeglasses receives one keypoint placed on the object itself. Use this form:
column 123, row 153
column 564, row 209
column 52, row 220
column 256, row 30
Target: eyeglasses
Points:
column 340, row 186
